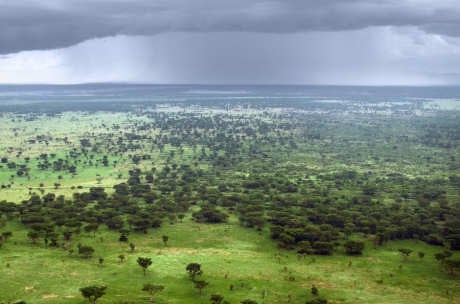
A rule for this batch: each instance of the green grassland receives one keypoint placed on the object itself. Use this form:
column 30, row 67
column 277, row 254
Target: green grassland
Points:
column 338, row 173
column 229, row 255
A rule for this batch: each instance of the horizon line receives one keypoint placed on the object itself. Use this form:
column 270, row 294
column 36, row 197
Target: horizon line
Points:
column 224, row 84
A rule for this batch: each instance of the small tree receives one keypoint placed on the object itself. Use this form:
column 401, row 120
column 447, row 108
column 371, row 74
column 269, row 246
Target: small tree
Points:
column 200, row 285
column 165, row 240
column 122, row 258
column 33, row 236
column 85, row 251
column 216, row 299
column 421, row 254
column 144, row 263
column 353, row 247
column 451, row 265
column 441, row 256
column 152, row 290
column 194, row 269
column 405, row 252
column 123, row 237
column 314, row 290
column 92, row 293
column 6, row 235
column 132, row 246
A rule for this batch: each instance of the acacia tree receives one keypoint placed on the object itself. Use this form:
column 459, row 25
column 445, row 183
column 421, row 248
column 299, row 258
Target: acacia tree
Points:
column 92, row 293
column 165, row 240
column 122, row 258
column 216, row 299
column 405, row 253
column 85, row 251
column 353, row 247
column 194, row 269
column 33, row 236
column 144, row 263
column 200, row 285
column 451, row 265
column 152, row 290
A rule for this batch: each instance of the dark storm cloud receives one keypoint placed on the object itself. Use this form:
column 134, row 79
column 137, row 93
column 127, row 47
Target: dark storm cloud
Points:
column 33, row 24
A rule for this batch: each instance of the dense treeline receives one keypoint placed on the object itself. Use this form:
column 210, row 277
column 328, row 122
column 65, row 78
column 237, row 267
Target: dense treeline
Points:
column 299, row 215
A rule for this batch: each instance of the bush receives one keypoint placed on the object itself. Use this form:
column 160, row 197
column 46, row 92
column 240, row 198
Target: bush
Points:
column 353, row 247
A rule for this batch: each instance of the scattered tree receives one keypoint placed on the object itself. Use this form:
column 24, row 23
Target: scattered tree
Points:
column 93, row 293
column 85, row 251
column 165, row 240
column 405, row 252
column 353, row 247
column 152, row 290
column 144, row 263
column 194, row 269
column 216, row 299
column 132, row 246
column 122, row 258
column 200, row 285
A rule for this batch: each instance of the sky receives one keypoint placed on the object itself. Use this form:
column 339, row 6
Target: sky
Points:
column 344, row 42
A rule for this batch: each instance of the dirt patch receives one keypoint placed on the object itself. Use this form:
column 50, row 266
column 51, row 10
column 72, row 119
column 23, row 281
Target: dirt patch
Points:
column 29, row 288
column 50, row 296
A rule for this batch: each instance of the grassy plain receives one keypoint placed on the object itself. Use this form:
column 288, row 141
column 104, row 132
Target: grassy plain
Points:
column 239, row 263
column 230, row 255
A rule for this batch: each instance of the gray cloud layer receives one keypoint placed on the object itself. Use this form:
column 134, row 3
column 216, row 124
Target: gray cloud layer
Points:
column 50, row 24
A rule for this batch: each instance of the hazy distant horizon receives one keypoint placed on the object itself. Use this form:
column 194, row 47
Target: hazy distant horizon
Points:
column 228, row 84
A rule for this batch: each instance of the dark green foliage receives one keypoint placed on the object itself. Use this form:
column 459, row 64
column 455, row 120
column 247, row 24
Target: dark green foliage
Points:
column 193, row 270
column 304, row 247
column 85, row 251
column 314, row 290
column 122, row 258
column 353, row 247
column 209, row 214
column 165, row 239
column 405, row 252
column 144, row 263
column 216, row 299
column 200, row 285
column 6, row 235
column 152, row 289
column 441, row 256
column 93, row 293
column 451, row 265
column 323, row 248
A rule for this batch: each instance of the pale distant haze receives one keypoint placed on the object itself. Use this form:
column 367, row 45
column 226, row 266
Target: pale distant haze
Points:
column 350, row 42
